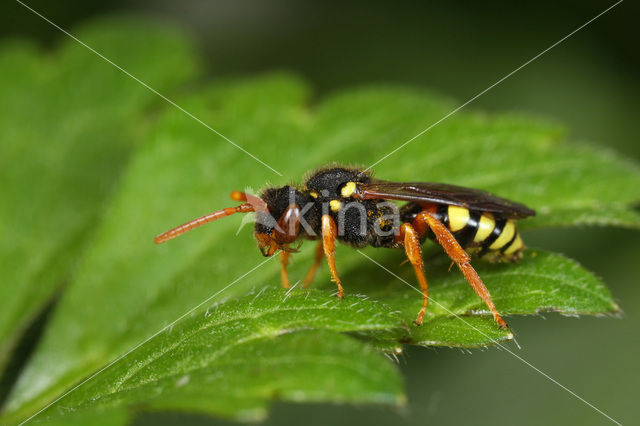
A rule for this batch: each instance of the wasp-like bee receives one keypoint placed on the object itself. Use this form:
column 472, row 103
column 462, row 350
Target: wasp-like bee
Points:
column 346, row 204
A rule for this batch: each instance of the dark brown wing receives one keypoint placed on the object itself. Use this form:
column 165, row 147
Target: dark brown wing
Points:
column 442, row 193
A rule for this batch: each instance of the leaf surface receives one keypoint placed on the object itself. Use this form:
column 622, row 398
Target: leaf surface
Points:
column 541, row 282
column 69, row 122
column 231, row 359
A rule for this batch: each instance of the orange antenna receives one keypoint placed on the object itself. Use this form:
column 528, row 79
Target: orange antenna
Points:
column 238, row 196
column 179, row 230
column 257, row 202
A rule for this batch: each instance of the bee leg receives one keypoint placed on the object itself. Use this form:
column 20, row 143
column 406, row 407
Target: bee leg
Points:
column 460, row 257
column 412, row 248
column 284, row 275
column 329, row 232
column 317, row 261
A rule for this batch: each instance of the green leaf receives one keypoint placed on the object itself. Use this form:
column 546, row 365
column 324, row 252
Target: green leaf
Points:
column 68, row 123
column 541, row 282
column 125, row 288
column 231, row 359
column 94, row 416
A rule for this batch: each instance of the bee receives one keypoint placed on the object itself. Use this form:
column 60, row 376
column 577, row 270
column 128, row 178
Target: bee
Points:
column 349, row 205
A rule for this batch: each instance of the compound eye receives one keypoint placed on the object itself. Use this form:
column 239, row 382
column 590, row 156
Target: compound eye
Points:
column 347, row 189
column 288, row 225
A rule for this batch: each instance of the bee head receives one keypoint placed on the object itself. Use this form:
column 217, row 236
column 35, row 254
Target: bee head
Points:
column 278, row 225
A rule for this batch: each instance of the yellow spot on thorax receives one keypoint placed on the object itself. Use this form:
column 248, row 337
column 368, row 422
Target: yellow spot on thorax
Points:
column 485, row 227
column 458, row 218
column 348, row 189
column 314, row 194
column 335, row 205
column 507, row 234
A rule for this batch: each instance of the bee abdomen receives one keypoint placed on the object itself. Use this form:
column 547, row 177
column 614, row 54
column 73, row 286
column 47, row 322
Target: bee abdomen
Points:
column 489, row 235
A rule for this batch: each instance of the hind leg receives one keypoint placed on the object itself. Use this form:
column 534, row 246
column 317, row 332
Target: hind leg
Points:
column 453, row 249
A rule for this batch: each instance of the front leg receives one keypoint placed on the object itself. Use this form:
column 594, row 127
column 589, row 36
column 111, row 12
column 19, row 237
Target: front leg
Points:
column 284, row 275
column 329, row 232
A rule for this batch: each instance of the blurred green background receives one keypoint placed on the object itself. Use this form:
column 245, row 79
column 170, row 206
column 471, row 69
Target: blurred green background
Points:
column 589, row 82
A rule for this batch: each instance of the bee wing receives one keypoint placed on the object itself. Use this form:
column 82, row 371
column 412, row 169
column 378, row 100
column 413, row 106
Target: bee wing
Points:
column 441, row 193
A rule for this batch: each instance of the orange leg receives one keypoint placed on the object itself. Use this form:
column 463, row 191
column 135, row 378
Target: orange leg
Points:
column 414, row 254
column 284, row 275
column 460, row 257
column 329, row 232
column 317, row 261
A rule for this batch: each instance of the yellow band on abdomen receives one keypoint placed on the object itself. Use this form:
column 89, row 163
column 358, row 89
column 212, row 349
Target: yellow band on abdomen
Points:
column 458, row 218
column 515, row 245
column 507, row 234
column 485, row 227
